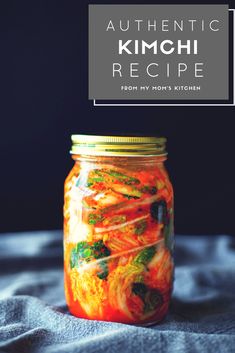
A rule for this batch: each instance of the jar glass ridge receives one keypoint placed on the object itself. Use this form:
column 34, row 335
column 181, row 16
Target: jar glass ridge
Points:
column 118, row 231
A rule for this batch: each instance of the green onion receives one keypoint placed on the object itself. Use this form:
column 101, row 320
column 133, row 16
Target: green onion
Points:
column 140, row 227
column 145, row 255
column 122, row 177
column 94, row 218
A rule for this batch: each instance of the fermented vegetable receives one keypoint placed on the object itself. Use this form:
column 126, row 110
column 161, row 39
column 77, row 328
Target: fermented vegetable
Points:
column 118, row 224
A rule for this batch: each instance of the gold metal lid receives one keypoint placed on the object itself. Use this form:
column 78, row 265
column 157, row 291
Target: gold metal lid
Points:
column 132, row 146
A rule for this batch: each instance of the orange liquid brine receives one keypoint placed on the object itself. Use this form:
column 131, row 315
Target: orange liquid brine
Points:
column 118, row 227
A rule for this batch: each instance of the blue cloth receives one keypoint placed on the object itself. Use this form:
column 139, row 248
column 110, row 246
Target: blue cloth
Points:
column 34, row 317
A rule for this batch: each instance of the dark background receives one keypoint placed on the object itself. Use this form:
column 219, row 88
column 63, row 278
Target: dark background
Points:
column 44, row 100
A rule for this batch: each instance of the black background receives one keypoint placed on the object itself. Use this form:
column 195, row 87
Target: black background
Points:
column 44, row 100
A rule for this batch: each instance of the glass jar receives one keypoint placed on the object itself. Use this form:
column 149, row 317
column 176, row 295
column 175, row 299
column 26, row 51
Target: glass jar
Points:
column 118, row 228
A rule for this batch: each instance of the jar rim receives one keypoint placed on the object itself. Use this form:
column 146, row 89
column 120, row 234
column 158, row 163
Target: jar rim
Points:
column 104, row 145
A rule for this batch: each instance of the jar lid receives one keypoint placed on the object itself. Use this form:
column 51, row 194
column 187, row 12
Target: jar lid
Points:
column 118, row 145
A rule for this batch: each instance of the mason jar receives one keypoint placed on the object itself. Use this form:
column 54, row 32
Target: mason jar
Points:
column 118, row 229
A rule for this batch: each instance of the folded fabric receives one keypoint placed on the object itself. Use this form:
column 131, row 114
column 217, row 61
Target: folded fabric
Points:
column 34, row 317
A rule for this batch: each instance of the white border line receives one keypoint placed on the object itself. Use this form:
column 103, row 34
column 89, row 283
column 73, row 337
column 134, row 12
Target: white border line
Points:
column 180, row 105
column 233, row 10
